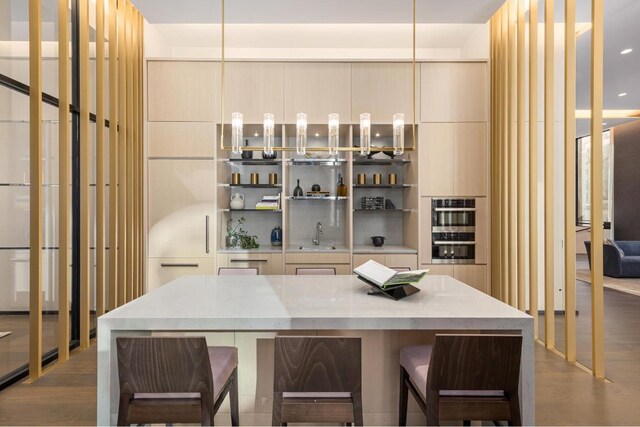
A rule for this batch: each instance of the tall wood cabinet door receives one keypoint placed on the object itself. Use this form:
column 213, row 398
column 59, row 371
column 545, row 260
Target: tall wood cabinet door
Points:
column 254, row 88
column 383, row 89
column 473, row 275
column 317, row 89
column 425, row 233
column 182, row 91
column 470, row 159
column 439, row 269
column 436, row 159
column 454, row 92
column 181, row 139
column 181, row 208
column 164, row 270
column 482, row 230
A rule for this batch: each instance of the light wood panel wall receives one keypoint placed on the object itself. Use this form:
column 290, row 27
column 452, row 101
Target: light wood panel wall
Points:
column 125, row 167
column 508, row 94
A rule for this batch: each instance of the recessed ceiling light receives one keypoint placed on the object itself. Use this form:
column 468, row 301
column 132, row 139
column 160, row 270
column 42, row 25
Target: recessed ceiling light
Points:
column 604, row 124
column 317, row 134
column 255, row 134
column 624, row 52
column 377, row 134
column 622, row 94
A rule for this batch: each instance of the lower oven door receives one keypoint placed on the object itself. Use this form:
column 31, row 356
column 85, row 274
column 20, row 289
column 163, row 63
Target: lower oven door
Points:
column 453, row 253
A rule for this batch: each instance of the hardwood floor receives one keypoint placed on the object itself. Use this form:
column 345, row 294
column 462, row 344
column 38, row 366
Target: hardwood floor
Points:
column 565, row 395
column 14, row 348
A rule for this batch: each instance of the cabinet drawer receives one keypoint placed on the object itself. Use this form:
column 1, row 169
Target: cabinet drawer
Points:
column 265, row 263
column 164, row 270
column 473, row 275
column 342, row 269
column 318, row 258
column 400, row 261
column 438, row 269
column 359, row 259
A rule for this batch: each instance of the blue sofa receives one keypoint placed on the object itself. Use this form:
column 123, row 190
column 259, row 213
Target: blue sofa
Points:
column 621, row 258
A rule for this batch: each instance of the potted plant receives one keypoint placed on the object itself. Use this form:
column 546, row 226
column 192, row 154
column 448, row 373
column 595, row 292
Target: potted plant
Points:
column 237, row 237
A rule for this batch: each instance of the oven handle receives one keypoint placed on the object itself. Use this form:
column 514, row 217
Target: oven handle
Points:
column 454, row 209
column 450, row 242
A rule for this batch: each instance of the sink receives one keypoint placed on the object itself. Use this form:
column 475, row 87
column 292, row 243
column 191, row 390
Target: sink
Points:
column 317, row 248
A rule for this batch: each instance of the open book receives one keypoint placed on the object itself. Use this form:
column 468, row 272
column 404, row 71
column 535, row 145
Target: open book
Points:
column 385, row 277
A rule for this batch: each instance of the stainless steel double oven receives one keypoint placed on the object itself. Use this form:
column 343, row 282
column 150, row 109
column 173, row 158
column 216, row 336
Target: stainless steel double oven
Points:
column 453, row 227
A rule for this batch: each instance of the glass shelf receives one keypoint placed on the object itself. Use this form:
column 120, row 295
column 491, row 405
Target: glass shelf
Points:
column 254, row 162
column 251, row 210
column 253, row 185
column 381, row 186
column 316, row 162
column 316, row 198
column 382, row 210
column 382, row 162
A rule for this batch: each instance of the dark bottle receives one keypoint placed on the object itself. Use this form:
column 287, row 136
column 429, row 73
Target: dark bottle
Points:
column 247, row 155
column 297, row 192
column 341, row 191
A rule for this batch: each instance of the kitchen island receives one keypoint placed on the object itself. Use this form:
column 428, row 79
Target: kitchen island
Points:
column 255, row 308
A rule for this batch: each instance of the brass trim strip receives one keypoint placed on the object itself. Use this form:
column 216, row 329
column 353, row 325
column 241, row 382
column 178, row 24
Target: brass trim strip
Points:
column 64, row 201
column 549, row 227
column 113, row 155
column 533, row 164
column 100, row 161
column 597, row 292
column 35, row 190
column 521, row 262
column 570, row 180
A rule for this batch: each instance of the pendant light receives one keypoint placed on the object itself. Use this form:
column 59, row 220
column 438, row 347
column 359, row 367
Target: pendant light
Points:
column 334, row 134
column 268, row 128
column 301, row 134
column 365, row 134
column 398, row 134
column 236, row 133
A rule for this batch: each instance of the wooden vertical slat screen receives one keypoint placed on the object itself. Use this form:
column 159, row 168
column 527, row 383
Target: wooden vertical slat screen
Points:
column 569, row 180
column 508, row 147
column 549, row 248
column 122, row 154
column 113, row 155
column 597, row 292
column 533, row 164
column 134, row 146
column 35, row 189
column 85, row 174
column 100, row 161
column 64, row 155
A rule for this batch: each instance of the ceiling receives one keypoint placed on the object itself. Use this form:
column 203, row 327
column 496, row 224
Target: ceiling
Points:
column 317, row 11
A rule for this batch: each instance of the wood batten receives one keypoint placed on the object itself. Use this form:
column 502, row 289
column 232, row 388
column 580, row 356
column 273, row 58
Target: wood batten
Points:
column 35, row 189
column 85, row 174
column 129, row 144
column 113, row 155
column 100, row 161
column 533, row 164
column 64, row 173
column 597, row 292
column 549, row 227
column 520, row 144
column 512, row 154
column 569, row 180
column 122, row 155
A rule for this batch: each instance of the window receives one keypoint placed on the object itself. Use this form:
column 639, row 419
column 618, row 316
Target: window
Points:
column 583, row 184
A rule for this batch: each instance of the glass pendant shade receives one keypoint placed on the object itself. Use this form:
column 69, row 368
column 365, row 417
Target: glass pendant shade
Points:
column 365, row 134
column 398, row 134
column 268, row 127
column 236, row 133
column 334, row 134
column 301, row 134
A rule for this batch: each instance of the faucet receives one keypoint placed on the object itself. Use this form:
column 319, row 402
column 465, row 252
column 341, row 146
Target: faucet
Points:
column 316, row 241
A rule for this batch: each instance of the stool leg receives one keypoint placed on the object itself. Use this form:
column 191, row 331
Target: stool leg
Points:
column 404, row 398
column 233, row 399
column 276, row 413
column 357, row 409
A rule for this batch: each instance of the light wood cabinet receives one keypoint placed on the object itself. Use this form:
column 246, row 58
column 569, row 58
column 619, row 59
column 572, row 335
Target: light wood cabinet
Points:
column 181, row 139
column 454, row 92
column 469, row 159
column 181, row 208
column 482, row 230
column 183, row 91
column 439, row 269
column 342, row 269
column 383, row 89
column 317, row 89
column 266, row 263
column 453, row 159
column 254, row 88
column 164, row 270
column 318, row 258
column 473, row 275
column 436, row 159
column 402, row 261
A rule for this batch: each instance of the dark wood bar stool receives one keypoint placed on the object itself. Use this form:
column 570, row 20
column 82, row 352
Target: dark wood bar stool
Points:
column 463, row 377
column 317, row 380
column 175, row 380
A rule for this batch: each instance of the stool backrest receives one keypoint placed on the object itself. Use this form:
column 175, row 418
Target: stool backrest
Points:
column 164, row 365
column 315, row 271
column 475, row 362
column 249, row 271
column 317, row 364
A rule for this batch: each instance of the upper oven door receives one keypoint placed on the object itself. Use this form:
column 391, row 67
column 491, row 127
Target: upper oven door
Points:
column 453, row 217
